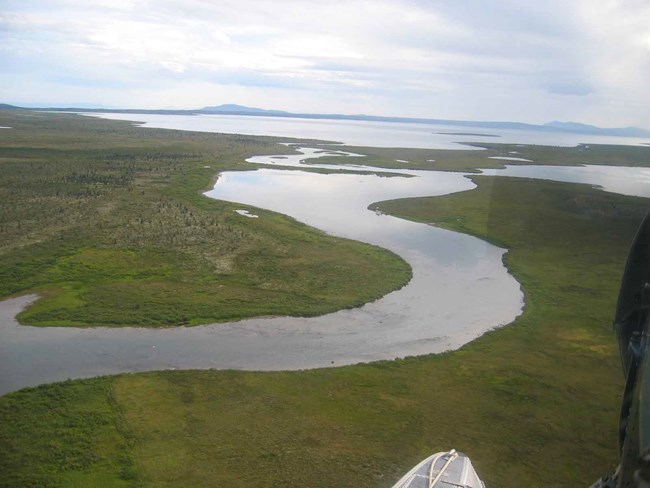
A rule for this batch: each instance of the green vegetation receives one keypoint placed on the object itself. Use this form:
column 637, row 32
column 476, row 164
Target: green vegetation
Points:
column 107, row 223
column 69, row 434
column 534, row 404
column 471, row 160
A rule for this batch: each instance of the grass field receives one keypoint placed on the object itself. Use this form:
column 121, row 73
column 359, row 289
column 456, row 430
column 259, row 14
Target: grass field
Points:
column 534, row 404
column 471, row 160
column 106, row 222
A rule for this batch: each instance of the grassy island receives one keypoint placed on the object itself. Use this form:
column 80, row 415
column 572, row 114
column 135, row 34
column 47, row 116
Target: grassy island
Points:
column 106, row 222
column 486, row 155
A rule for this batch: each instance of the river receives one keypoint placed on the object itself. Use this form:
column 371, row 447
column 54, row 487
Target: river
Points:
column 430, row 314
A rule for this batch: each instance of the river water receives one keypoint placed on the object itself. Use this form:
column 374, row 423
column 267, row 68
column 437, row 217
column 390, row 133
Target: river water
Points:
column 459, row 289
column 428, row 315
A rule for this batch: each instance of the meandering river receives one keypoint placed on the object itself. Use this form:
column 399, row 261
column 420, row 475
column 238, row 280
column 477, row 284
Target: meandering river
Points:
column 459, row 290
column 430, row 314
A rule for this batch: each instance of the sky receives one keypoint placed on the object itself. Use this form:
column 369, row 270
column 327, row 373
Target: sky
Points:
column 507, row 60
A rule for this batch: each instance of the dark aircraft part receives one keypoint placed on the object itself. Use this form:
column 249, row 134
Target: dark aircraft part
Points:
column 633, row 299
column 632, row 326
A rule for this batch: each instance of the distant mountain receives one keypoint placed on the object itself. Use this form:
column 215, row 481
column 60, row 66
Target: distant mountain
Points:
column 6, row 106
column 554, row 126
column 592, row 129
column 571, row 126
column 231, row 108
column 234, row 109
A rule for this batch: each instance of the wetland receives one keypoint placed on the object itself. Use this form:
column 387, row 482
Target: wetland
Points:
column 544, row 389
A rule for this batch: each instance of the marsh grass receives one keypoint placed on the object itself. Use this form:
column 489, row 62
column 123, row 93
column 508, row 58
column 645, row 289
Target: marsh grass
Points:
column 107, row 223
column 472, row 160
column 534, row 403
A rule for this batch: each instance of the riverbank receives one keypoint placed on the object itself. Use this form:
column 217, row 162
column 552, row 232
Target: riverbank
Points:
column 404, row 323
column 491, row 155
column 107, row 224
column 541, row 392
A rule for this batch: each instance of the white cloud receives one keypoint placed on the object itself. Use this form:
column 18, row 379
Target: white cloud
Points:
column 502, row 60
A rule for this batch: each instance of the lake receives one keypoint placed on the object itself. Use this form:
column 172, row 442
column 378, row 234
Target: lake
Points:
column 615, row 179
column 364, row 133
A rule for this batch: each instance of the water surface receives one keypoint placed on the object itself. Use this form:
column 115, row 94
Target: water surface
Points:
column 632, row 181
column 364, row 133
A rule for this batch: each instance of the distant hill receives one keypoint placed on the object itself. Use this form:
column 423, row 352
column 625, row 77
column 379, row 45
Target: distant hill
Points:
column 234, row 109
column 592, row 129
column 6, row 106
column 554, row 126
column 231, row 108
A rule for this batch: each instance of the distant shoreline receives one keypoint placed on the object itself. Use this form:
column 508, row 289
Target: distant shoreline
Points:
column 562, row 127
column 472, row 134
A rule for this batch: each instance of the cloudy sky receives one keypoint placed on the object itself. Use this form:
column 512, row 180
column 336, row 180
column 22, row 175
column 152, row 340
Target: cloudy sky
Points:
column 517, row 60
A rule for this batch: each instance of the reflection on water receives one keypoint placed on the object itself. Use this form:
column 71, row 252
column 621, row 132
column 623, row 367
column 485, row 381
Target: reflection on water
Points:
column 337, row 204
column 428, row 315
column 624, row 180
